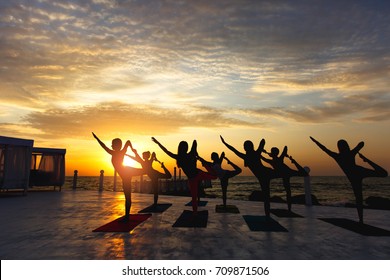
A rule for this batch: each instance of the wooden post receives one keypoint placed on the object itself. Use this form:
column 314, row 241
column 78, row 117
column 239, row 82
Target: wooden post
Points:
column 75, row 179
column 101, row 180
column 307, row 187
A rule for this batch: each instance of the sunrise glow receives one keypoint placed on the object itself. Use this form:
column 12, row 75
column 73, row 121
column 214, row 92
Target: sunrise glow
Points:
column 185, row 70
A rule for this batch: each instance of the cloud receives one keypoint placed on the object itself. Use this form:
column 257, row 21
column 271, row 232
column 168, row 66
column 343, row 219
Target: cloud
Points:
column 358, row 108
column 296, row 61
column 125, row 118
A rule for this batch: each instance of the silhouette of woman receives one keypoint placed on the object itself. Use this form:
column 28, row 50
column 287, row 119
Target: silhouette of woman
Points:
column 355, row 173
column 187, row 162
column 224, row 175
column 125, row 172
column 252, row 160
column 147, row 165
column 283, row 171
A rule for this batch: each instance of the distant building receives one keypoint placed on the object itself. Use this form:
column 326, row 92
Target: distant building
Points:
column 23, row 166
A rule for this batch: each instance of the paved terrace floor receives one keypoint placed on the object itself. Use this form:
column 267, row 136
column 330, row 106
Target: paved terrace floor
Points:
column 58, row 225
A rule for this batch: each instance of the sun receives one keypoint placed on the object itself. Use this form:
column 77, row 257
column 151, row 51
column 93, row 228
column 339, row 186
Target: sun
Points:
column 130, row 162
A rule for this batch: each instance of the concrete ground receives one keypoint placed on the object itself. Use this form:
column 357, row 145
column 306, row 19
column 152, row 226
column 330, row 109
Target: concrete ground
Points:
column 58, row 225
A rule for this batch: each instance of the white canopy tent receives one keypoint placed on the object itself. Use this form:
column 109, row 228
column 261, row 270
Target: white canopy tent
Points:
column 15, row 161
column 47, row 167
column 23, row 166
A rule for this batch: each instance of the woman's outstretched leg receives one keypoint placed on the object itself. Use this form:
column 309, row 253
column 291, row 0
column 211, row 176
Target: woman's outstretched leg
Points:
column 300, row 170
column 167, row 174
column 237, row 170
column 377, row 172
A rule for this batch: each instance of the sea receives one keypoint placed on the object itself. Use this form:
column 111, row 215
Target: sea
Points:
column 329, row 190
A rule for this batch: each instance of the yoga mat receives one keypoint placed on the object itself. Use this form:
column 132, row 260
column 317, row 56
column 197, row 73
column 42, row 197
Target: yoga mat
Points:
column 119, row 226
column 186, row 219
column 227, row 209
column 262, row 223
column 357, row 227
column 283, row 213
column 200, row 203
column 159, row 208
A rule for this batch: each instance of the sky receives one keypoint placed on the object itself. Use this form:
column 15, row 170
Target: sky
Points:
column 184, row 70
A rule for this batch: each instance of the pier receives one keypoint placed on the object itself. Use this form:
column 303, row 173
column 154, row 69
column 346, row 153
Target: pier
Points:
column 59, row 225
